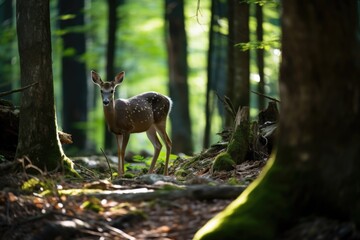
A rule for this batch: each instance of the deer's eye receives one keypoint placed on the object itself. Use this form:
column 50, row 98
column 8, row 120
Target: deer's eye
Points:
column 112, row 91
column 101, row 91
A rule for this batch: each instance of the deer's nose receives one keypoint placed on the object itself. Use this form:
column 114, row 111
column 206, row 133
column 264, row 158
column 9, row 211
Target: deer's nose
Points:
column 106, row 102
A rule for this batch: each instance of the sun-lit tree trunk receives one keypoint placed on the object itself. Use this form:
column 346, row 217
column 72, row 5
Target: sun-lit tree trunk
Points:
column 38, row 138
column 316, row 168
column 178, row 73
column 74, row 79
column 238, row 88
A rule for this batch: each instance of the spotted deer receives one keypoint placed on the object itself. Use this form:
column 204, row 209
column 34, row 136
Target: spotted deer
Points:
column 146, row 112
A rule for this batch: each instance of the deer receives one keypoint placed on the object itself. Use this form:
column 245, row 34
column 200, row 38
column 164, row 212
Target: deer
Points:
column 146, row 112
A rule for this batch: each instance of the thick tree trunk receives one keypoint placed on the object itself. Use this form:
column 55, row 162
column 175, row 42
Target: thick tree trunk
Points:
column 37, row 128
column 75, row 86
column 178, row 71
column 316, row 168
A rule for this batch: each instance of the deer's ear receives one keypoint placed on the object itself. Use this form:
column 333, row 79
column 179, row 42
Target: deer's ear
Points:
column 119, row 78
column 96, row 78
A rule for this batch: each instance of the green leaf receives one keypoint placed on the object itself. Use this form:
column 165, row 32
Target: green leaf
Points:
column 67, row 17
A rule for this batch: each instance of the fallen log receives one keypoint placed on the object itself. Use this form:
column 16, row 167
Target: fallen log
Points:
column 197, row 192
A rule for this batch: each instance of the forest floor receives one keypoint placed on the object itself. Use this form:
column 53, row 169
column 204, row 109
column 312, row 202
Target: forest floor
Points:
column 149, row 206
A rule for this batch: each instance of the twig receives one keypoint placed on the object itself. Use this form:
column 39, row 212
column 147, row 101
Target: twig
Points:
column 120, row 232
column 263, row 95
column 198, row 11
column 227, row 104
column 107, row 160
column 17, row 90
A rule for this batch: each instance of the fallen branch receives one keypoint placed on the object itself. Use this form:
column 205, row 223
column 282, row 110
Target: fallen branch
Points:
column 108, row 163
column 200, row 192
column 3, row 94
column 265, row 96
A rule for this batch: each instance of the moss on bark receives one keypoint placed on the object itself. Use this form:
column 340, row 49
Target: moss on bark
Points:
column 257, row 212
column 223, row 162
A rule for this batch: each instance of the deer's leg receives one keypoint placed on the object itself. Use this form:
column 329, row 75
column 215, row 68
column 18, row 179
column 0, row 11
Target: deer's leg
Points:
column 122, row 141
column 151, row 133
column 161, row 129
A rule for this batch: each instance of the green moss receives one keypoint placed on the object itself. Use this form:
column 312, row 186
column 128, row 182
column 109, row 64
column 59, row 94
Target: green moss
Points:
column 233, row 181
column 129, row 175
column 223, row 162
column 239, row 143
column 181, row 174
column 69, row 167
column 33, row 184
column 93, row 204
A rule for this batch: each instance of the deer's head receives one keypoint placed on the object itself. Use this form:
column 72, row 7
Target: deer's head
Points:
column 107, row 88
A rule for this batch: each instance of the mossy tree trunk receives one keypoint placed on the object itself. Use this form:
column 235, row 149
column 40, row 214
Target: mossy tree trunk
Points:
column 316, row 168
column 38, row 139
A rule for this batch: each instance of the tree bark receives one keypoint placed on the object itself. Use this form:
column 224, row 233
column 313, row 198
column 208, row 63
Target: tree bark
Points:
column 75, row 86
column 238, row 87
column 178, row 70
column 6, row 20
column 260, row 55
column 37, row 127
column 316, row 167
column 110, row 57
column 216, row 68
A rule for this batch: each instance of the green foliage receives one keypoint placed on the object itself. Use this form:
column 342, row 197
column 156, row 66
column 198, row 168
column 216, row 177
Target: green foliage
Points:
column 129, row 175
column 141, row 52
column 263, row 2
column 267, row 45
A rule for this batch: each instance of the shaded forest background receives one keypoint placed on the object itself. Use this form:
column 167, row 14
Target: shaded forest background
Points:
column 137, row 37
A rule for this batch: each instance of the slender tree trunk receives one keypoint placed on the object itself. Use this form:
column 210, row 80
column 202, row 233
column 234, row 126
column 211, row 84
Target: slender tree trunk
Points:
column 209, row 106
column 75, row 86
column 110, row 57
column 316, row 168
column 260, row 56
column 239, row 61
column 38, row 138
column 217, row 67
column 178, row 72
column 6, row 16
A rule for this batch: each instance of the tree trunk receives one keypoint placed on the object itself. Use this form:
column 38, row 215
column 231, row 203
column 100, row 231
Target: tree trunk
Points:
column 110, row 57
column 316, row 167
column 217, row 67
column 74, row 89
column 6, row 27
column 239, row 61
column 37, row 128
column 260, row 56
column 178, row 71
